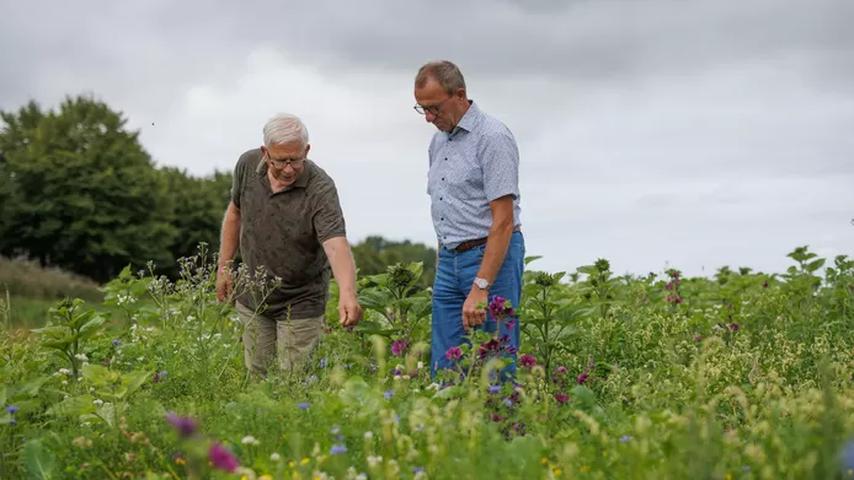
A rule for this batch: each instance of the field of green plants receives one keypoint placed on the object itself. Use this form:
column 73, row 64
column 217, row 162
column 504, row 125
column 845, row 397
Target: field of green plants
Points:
column 741, row 376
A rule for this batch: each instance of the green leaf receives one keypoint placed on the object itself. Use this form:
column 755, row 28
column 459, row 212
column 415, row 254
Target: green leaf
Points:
column 135, row 380
column 815, row 265
column 73, row 406
column 38, row 460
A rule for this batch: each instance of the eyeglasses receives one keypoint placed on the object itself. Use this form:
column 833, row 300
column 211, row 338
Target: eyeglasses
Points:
column 434, row 109
column 294, row 163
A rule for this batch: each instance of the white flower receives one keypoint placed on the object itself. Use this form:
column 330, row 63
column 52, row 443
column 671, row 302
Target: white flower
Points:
column 420, row 365
column 250, row 440
column 275, row 457
column 433, row 386
column 82, row 357
column 361, row 476
column 98, row 402
column 369, row 435
column 64, row 371
column 374, row 460
column 139, row 359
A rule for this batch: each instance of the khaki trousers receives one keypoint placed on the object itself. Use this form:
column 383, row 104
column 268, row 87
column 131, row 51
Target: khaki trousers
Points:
column 287, row 343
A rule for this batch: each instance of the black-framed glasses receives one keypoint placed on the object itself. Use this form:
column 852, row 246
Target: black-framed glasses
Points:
column 434, row 109
column 294, row 163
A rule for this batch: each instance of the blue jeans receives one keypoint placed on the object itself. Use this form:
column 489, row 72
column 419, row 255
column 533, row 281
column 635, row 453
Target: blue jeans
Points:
column 455, row 273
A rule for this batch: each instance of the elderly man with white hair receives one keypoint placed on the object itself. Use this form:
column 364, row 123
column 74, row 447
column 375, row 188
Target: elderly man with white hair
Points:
column 285, row 216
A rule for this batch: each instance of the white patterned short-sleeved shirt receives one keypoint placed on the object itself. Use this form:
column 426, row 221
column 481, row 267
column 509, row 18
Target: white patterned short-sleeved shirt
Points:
column 476, row 163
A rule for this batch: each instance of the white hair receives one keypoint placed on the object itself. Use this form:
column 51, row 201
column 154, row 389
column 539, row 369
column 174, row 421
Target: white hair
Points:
column 285, row 128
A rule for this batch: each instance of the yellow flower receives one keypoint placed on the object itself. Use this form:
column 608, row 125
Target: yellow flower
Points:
column 292, row 464
column 266, row 476
column 728, row 476
column 556, row 471
column 584, row 469
column 544, row 461
column 180, row 461
column 304, row 461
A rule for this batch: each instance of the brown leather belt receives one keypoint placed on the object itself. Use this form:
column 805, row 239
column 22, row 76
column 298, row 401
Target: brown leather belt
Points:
column 469, row 244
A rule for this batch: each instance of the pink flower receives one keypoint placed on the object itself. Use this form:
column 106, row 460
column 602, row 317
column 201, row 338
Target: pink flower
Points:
column 454, row 353
column 222, row 458
column 399, row 347
column 561, row 397
column 527, row 360
column 582, row 378
column 500, row 307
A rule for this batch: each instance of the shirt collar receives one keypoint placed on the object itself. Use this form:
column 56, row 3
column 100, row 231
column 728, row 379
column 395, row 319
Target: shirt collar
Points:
column 470, row 118
column 301, row 181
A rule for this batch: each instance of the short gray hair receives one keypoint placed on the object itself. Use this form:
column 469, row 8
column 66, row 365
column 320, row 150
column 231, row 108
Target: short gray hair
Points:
column 285, row 128
column 448, row 75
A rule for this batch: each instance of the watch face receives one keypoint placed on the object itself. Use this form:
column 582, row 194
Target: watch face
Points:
column 481, row 283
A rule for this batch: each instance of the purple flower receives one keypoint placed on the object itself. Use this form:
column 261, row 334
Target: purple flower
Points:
column 222, row 458
column 417, row 470
column 398, row 348
column 698, row 338
column 527, row 361
column 303, row 405
column 734, row 327
column 338, row 449
column 12, row 409
column 511, row 323
column 488, row 348
column 561, row 397
column 511, row 349
column 625, row 438
column 581, row 379
column 454, row 353
column 185, row 426
column 508, row 403
column 499, row 307
column 494, row 389
column 388, row 394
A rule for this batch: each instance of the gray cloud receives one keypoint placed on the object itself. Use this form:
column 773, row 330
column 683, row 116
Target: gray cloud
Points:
column 695, row 133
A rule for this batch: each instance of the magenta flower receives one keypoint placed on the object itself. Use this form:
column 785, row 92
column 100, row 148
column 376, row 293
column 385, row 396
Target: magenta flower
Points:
column 454, row 353
column 527, row 361
column 398, row 347
column 734, row 327
column 222, row 458
column 561, row 397
column 485, row 349
column 500, row 307
column 581, row 379
column 185, row 426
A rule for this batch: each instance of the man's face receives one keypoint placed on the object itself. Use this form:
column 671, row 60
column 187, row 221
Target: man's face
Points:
column 285, row 161
column 442, row 110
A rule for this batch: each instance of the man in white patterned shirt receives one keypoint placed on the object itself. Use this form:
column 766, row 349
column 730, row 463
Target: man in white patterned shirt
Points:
column 473, row 183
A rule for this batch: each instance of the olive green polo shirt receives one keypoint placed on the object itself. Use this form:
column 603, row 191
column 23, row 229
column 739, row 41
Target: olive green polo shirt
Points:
column 284, row 233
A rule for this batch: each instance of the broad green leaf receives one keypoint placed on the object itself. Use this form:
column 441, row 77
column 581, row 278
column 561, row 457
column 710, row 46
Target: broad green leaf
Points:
column 38, row 460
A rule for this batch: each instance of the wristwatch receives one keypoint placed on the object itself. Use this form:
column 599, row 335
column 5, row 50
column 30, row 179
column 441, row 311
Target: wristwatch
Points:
column 481, row 283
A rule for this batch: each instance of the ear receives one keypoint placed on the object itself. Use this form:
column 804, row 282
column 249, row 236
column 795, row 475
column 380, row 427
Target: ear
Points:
column 307, row 148
column 264, row 151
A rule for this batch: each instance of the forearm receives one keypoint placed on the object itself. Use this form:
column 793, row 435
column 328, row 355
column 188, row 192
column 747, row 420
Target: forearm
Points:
column 341, row 260
column 496, row 249
column 229, row 236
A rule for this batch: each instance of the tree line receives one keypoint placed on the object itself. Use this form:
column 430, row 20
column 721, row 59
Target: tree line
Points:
column 78, row 191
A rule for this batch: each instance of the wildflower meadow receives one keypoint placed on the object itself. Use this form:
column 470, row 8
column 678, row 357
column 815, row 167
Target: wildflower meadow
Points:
column 744, row 375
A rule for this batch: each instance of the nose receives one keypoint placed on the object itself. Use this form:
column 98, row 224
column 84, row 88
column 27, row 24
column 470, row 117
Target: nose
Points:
column 429, row 117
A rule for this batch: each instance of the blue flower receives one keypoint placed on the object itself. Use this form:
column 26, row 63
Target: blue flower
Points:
column 494, row 388
column 12, row 409
column 117, row 343
column 625, row 438
column 417, row 470
column 848, row 456
column 303, row 405
column 338, row 449
column 508, row 402
column 388, row 394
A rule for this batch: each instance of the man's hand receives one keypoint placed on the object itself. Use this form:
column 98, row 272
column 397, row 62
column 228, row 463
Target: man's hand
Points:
column 224, row 283
column 349, row 310
column 474, row 311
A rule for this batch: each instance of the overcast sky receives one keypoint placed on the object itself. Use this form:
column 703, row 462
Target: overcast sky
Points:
column 687, row 134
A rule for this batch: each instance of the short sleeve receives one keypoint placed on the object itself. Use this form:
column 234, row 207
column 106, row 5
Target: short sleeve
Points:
column 500, row 161
column 327, row 218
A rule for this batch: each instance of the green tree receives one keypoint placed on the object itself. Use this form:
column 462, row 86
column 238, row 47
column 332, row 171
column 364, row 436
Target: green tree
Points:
column 83, row 193
column 197, row 209
column 375, row 254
